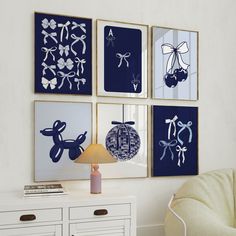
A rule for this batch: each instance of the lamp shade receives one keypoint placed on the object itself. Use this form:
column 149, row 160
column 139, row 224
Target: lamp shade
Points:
column 95, row 154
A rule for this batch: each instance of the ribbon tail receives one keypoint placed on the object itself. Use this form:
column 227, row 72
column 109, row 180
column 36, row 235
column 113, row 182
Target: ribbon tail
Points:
column 163, row 154
column 67, row 33
column 70, row 84
column 169, row 130
column 61, row 35
column 178, row 138
column 183, row 156
column 174, row 125
column 44, row 70
column 190, row 135
column 45, row 39
column 120, row 63
column 54, row 39
column 62, row 82
column 181, row 62
column 172, row 154
column 127, row 63
column 82, row 68
column 71, row 48
column 84, row 46
column 170, row 62
column 77, row 70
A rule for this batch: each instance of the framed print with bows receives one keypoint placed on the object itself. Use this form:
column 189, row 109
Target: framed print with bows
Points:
column 63, row 54
column 123, row 131
column 175, row 64
column 175, row 140
column 63, row 130
column 121, row 59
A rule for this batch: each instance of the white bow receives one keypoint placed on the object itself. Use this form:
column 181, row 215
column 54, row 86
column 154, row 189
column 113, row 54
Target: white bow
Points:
column 64, row 49
column 135, row 81
column 77, row 39
column 48, row 50
column 61, row 63
column 67, row 77
column 81, row 26
column 64, row 26
column 52, row 23
column 83, row 80
column 171, row 122
column 175, row 53
column 51, row 68
column 51, row 83
column 51, row 35
column 80, row 64
column 123, row 56
column 181, row 151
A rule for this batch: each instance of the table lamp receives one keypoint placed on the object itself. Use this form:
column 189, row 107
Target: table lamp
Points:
column 95, row 154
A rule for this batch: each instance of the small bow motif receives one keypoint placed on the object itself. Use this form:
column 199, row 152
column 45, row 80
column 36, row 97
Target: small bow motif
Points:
column 171, row 122
column 80, row 64
column 181, row 151
column 182, row 48
column 183, row 127
column 77, row 39
column 64, row 49
column 123, row 57
column 46, row 23
column 135, row 81
column 168, row 145
column 49, row 51
column 51, row 83
column 82, row 26
column 67, row 77
column 78, row 81
column 61, row 63
column 52, row 68
column 64, row 27
column 110, row 39
column 50, row 35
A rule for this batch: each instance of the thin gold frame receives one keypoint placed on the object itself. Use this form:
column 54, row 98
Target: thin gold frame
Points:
column 152, row 64
column 47, row 101
column 147, row 137
column 147, row 60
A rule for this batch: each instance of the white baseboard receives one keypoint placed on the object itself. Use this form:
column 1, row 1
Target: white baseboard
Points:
column 151, row 230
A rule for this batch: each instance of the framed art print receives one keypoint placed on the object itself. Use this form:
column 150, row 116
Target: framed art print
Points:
column 63, row 54
column 175, row 64
column 63, row 130
column 121, row 59
column 123, row 131
column 175, row 140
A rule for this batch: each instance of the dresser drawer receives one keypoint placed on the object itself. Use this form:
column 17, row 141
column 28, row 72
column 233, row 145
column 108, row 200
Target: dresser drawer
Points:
column 88, row 212
column 30, row 216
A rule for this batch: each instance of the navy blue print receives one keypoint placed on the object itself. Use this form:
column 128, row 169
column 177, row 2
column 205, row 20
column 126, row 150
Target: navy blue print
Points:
column 123, row 141
column 122, row 60
column 63, row 54
column 175, row 141
column 174, row 75
column 74, row 146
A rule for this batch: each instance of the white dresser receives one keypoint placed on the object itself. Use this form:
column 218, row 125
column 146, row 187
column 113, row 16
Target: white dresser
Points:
column 76, row 214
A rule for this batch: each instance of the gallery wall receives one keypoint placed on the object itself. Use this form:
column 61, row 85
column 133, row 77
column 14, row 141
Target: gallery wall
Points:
column 215, row 21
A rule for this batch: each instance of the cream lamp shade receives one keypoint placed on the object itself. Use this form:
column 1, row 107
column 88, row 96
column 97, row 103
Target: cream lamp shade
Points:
column 95, row 154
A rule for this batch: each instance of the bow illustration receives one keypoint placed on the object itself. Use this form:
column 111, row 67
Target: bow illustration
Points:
column 64, row 27
column 168, row 145
column 175, row 53
column 80, row 64
column 61, row 63
column 67, row 77
column 171, row 122
column 51, row 68
column 47, row 51
column 78, row 81
column 64, row 49
column 46, row 23
column 183, row 127
column 51, row 83
column 81, row 26
column 181, row 151
column 123, row 57
column 77, row 39
column 50, row 35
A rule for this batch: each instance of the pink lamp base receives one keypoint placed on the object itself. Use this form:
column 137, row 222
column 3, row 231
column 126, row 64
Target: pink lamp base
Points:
column 95, row 180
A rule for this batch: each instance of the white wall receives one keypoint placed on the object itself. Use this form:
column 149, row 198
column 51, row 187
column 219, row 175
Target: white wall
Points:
column 214, row 19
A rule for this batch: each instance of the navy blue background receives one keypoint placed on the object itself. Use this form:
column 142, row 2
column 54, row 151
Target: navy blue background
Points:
column 85, row 89
column 167, row 167
column 119, row 79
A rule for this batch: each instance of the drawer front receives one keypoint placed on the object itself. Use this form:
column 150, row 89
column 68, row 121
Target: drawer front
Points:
column 30, row 216
column 93, row 212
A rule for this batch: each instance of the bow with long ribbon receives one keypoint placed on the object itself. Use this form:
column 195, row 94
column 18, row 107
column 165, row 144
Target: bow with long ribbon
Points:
column 171, row 122
column 81, row 26
column 80, row 64
column 168, row 145
column 46, row 23
column 51, row 83
column 51, row 68
column 61, row 63
column 181, row 151
column 175, row 53
column 78, row 81
column 64, row 49
column 123, row 57
column 51, row 35
column 67, row 77
column 77, row 39
column 183, row 127
column 64, row 27
column 47, row 51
